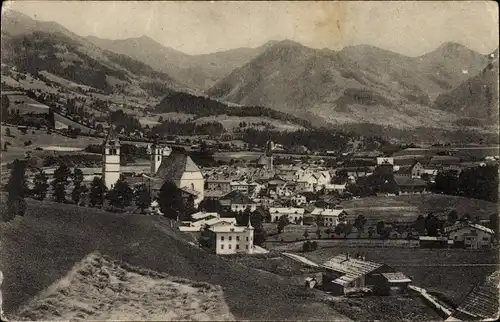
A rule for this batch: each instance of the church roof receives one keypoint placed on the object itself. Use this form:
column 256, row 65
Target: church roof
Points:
column 262, row 160
column 111, row 137
column 173, row 167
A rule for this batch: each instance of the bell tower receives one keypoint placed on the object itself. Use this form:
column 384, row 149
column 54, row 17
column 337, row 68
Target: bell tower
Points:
column 156, row 157
column 111, row 159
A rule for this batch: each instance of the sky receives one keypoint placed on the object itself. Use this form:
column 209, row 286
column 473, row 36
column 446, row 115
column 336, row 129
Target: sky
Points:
column 409, row 27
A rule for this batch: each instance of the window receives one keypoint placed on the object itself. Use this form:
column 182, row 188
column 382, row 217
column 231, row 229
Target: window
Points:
column 247, row 238
column 485, row 238
column 221, row 246
column 229, row 246
column 230, row 238
column 237, row 246
column 222, row 238
column 246, row 246
column 158, row 158
column 237, row 238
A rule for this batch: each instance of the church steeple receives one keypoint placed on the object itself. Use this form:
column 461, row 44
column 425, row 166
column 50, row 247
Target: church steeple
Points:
column 111, row 158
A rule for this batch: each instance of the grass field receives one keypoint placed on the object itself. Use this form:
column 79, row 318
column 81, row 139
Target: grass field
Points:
column 40, row 248
column 450, row 272
column 408, row 207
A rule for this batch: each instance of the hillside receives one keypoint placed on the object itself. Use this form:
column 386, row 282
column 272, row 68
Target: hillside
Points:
column 195, row 71
column 476, row 99
column 358, row 84
column 43, row 246
column 33, row 46
column 181, row 102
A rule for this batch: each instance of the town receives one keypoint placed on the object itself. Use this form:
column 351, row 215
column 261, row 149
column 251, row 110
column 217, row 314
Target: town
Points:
column 189, row 208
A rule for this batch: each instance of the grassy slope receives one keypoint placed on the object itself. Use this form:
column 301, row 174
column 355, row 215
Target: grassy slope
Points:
column 41, row 247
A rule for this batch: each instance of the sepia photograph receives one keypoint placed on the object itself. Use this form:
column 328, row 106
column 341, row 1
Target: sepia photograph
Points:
column 249, row 161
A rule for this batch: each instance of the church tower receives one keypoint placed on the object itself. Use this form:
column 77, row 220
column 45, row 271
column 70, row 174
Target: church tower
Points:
column 249, row 232
column 269, row 154
column 111, row 158
column 157, row 153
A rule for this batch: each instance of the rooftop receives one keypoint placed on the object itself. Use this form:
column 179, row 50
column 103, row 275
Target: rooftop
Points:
column 353, row 268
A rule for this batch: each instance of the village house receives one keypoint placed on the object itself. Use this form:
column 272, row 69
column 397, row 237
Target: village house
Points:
column 299, row 200
column 344, row 274
column 210, row 222
column 469, row 235
column 410, row 185
column 236, row 201
column 338, row 188
column 245, row 187
column 385, row 160
column 230, row 239
column 219, row 185
column 327, row 217
column 294, row 215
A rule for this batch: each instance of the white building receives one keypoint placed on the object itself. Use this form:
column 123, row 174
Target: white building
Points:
column 339, row 188
column 230, row 239
column 111, row 159
column 385, row 160
column 205, row 219
column 472, row 236
column 295, row 215
column 330, row 217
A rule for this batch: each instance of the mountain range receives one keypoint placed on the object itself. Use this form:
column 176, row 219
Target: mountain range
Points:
column 358, row 84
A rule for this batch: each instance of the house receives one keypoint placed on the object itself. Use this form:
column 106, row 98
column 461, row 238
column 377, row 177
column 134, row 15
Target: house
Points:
column 410, row 185
column 385, row 160
column 243, row 186
column 338, row 188
column 295, row 215
column 344, row 274
column 219, row 185
column 237, row 202
column 230, row 239
column 299, row 200
column 204, row 220
column 327, row 217
column 310, row 282
column 469, row 235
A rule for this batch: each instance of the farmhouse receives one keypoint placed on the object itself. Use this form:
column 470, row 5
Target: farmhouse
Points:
column 344, row 274
column 327, row 217
column 469, row 235
column 294, row 215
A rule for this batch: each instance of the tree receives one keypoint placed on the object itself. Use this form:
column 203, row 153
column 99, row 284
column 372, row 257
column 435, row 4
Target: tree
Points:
column 16, row 189
column 7, row 131
column 282, row 223
column 77, row 177
column 360, row 222
column 306, row 246
column 318, row 233
column 306, row 234
column 170, row 200
column 78, row 192
column 419, row 224
column 381, row 231
column 121, row 195
column 314, row 245
column 60, row 182
column 97, row 191
column 142, row 197
column 39, row 190
column 452, row 216
column 494, row 223
column 5, row 145
column 431, row 225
